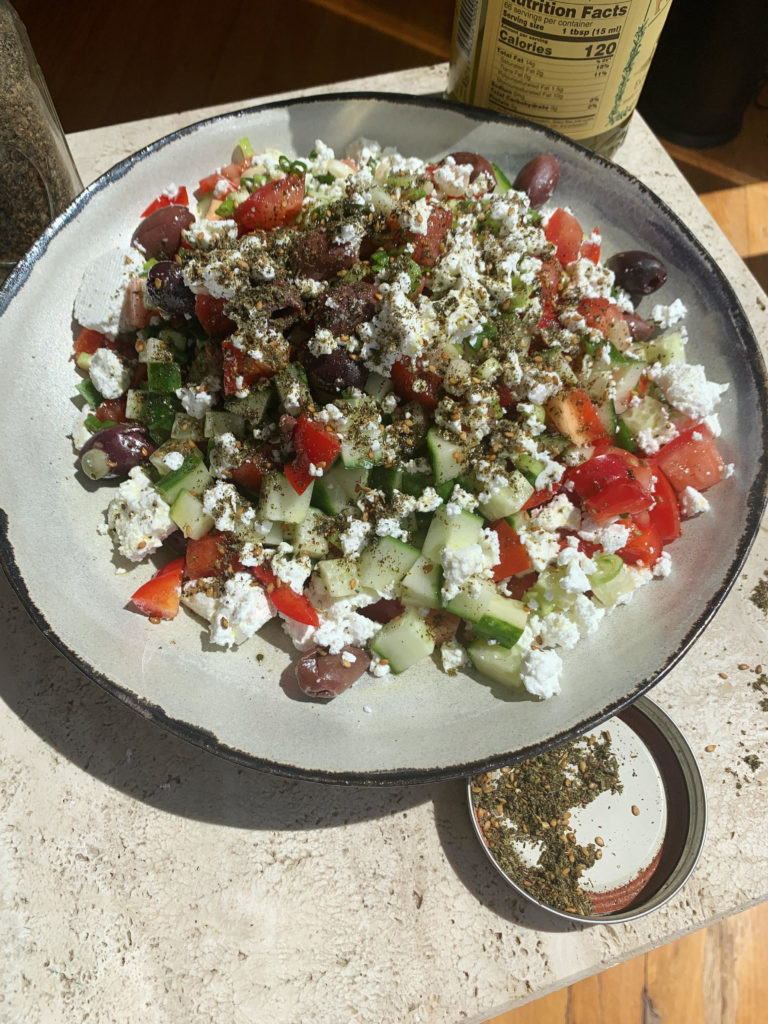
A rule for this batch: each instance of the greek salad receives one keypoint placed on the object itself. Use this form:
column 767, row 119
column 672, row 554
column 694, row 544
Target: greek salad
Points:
column 401, row 405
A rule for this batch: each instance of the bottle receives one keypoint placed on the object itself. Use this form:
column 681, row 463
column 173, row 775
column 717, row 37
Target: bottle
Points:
column 575, row 67
column 707, row 69
column 38, row 177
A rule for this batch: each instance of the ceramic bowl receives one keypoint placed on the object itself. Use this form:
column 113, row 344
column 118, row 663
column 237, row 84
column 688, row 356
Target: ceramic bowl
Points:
column 243, row 704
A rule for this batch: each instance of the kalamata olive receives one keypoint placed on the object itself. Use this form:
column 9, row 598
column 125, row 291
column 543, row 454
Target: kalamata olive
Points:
column 316, row 256
column 539, row 178
column 383, row 610
column 336, row 372
column 479, row 166
column 167, row 291
column 641, row 330
column 282, row 303
column 637, row 272
column 342, row 309
column 115, row 450
column 158, row 236
column 324, row 675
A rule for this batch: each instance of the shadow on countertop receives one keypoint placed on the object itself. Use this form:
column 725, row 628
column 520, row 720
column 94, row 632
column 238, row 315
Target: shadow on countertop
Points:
column 112, row 743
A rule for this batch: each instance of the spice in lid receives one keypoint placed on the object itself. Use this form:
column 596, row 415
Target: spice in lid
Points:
column 605, row 827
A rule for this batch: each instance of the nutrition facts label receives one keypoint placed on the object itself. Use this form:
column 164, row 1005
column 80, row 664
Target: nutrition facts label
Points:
column 576, row 68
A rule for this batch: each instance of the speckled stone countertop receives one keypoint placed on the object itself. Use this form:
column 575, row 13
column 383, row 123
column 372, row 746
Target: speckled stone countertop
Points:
column 141, row 878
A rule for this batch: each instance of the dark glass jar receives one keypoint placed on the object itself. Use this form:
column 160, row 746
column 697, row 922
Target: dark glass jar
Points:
column 38, row 177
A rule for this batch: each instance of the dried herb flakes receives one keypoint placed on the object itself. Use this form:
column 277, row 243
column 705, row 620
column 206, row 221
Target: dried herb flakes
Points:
column 524, row 812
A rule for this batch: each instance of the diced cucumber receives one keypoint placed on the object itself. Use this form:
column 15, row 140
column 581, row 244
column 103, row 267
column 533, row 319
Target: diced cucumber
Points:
column 546, row 594
column 449, row 458
column 503, row 621
column 156, row 350
column 279, row 502
column 340, row 576
column 608, row 593
column 292, row 389
column 508, row 499
column 155, row 409
column 378, row 386
column 473, row 600
column 529, row 467
column 338, row 487
column 188, row 514
column 389, row 479
column 666, row 349
column 385, row 562
column 218, row 422
column 490, row 369
column 608, row 417
column 553, row 359
column 186, row 427
column 422, row 583
column 647, row 414
column 502, row 664
column 164, row 376
column 404, row 641
column 183, row 448
column 310, row 537
column 253, row 406
column 192, row 476
column 453, row 532
column 625, row 382
column 503, row 184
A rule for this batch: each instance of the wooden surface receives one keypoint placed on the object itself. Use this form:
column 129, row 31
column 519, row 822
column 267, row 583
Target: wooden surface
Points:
column 715, row 976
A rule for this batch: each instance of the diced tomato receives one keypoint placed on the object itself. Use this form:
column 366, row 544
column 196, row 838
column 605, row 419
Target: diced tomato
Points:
column 216, row 181
column 608, row 485
column 272, row 205
column 250, row 474
column 210, row 312
column 112, row 410
column 513, row 555
column 179, row 198
column 427, row 247
column 208, row 556
column 572, row 413
column 234, row 171
column 665, row 514
column 539, row 498
column 159, row 598
column 315, row 445
column 316, row 441
column 89, row 341
column 298, row 475
column 600, row 314
column 564, row 232
column 691, row 459
column 644, row 544
column 590, row 247
column 287, row 601
column 416, row 385
column 241, row 370
column 550, row 276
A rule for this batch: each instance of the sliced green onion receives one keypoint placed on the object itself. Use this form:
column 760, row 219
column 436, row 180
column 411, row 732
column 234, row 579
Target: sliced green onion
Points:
column 608, row 568
column 623, row 437
column 253, row 181
column 89, row 393
column 94, row 424
column 292, row 166
column 324, row 179
column 226, row 207
column 245, row 147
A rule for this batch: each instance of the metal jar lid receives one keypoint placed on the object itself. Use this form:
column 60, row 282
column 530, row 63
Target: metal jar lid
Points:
column 649, row 836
